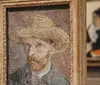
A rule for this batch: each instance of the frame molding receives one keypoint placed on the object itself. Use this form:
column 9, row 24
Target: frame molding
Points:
column 77, row 36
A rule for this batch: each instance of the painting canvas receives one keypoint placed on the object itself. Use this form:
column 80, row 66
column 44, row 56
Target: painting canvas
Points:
column 38, row 45
column 93, row 28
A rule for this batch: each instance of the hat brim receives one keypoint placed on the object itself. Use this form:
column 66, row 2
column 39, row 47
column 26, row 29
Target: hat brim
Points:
column 59, row 37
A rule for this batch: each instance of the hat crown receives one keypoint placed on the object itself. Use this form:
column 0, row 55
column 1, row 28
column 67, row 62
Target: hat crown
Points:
column 40, row 21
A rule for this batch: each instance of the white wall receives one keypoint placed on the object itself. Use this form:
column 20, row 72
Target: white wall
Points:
column 91, row 6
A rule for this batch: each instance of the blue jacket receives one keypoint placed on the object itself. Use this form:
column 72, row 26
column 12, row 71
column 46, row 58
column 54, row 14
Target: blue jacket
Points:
column 23, row 77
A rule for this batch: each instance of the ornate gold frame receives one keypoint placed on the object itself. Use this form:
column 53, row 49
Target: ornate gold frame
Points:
column 77, row 36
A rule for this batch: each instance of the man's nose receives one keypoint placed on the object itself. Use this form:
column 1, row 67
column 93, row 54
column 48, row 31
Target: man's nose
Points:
column 31, row 51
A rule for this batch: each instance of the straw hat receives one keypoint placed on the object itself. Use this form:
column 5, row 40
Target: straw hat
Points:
column 41, row 27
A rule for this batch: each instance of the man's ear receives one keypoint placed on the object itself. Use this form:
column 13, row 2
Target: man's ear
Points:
column 53, row 46
column 52, row 49
column 51, row 42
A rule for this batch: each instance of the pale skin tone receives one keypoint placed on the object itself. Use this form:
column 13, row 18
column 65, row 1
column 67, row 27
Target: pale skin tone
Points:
column 39, row 53
column 96, row 20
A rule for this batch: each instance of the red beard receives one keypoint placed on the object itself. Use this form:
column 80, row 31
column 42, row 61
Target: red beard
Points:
column 38, row 64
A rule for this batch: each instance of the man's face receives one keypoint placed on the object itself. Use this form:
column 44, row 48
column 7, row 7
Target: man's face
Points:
column 96, row 20
column 38, row 52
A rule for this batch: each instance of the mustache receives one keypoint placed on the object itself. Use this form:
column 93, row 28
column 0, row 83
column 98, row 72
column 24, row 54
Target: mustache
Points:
column 36, row 58
column 32, row 58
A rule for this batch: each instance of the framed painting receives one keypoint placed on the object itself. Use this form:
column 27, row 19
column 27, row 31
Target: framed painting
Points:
column 93, row 29
column 93, row 45
column 42, row 42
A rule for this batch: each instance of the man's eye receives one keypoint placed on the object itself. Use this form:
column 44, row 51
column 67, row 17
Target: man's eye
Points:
column 27, row 44
column 38, row 45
